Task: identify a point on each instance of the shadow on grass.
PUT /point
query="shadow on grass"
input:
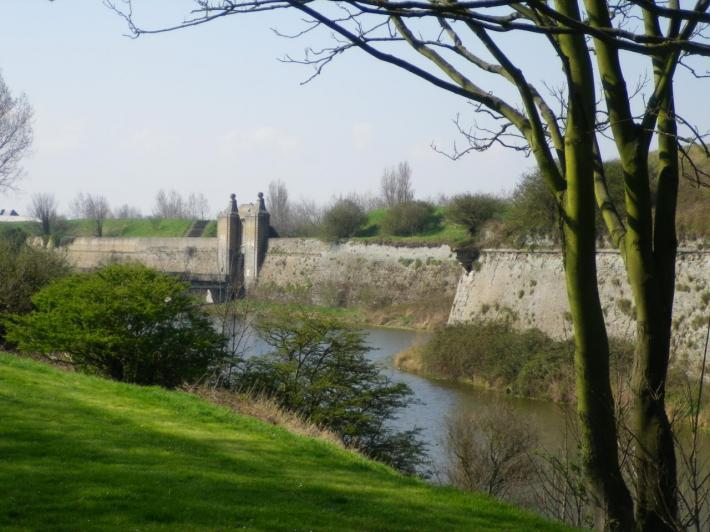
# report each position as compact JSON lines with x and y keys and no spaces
{"x":82,"y":453}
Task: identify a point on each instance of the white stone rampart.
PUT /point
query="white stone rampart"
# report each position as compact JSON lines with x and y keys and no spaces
{"x":353,"y":272}
{"x":529,"y":288}
{"x":195,"y":258}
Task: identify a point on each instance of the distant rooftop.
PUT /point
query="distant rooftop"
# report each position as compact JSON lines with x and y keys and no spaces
{"x":11,"y":215}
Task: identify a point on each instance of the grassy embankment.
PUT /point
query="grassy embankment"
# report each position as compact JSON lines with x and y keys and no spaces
{"x":441,"y":232}
{"x":80,"y":452}
{"x":143,"y":227}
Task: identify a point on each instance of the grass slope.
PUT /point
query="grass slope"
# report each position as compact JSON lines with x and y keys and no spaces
{"x":79,"y":452}
{"x":143,"y":227}
{"x":443,"y":232}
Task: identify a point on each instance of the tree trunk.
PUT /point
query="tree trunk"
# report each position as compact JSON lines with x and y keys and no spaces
{"x":595,"y":404}
{"x":652,"y":277}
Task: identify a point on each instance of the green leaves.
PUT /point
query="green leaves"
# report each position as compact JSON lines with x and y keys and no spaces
{"x":319,"y":370}
{"x":127,"y":322}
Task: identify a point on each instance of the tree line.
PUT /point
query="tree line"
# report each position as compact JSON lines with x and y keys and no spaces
{"x":96,"y":207}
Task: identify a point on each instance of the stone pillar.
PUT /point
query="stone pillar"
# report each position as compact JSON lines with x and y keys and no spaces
{"x":229,"y":244}
{"x":255,"y":238}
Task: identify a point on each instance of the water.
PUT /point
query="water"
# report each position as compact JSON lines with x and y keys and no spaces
{"x":438,"y":399}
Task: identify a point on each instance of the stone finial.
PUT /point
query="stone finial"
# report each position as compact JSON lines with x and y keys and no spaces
{"x":262,"y":205}
{"x":233,"y":203}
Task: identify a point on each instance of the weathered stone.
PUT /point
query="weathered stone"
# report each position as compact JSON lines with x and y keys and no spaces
{"x":529,"y":289}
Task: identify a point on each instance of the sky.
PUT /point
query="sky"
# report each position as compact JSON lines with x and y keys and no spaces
{"x":212,"y":110}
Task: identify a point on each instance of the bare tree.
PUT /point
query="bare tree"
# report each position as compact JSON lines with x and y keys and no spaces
{"x":491,"y":450}
{"x":458,"y":46}
{"x":126,"y":211}
{"x":15,"y":135}
{"x":306,"y":218}
{"x":366,"y":200}
{"x":396,"y":185}
{"x":280,"y":208}
{"x":197,"y":206}
{"x":169,"y":205}
{"x":44,"y":208}
{"x":93,"y":207}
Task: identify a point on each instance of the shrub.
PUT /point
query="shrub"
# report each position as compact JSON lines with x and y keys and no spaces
{"x":527,"y":362}
{"x":532,"y":212}
{"x":23,"y":271}
{"x":343,"y":220}
{"x":124,"y":321}
{"x":318,"y":370}
{"x":490,"y":450}
{"x":409,"y":218}
{"x":473,"y":210}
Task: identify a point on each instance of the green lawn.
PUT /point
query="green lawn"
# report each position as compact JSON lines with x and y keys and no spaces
{"x":443,"y":232}
{"x":79,"y":453}
{"x":143,"y":227}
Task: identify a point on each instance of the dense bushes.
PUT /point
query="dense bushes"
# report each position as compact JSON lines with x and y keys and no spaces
{"x":343,"y":220}
{"x":473,"y":210}
{"x":318,"y":369}
{"x":126,"y":322}
{"x":409,"y":218}
{"x":527,"y":363}
{"x":532,"y":213}
{"x":23,"y":271}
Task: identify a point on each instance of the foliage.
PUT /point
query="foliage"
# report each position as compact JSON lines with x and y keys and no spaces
{"x":440,"y":232}
{"x":106,"y":455}
{"x":343,"y":220}
{"x":473,"y":210}
{"x":124,"y":321}
{"x":318,"y":369}
{"x":24,"y":270}
{"x":527,"y":363}
{"x":532,"y":213}
{"x":409,"y":218}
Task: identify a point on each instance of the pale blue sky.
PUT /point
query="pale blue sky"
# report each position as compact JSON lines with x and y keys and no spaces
{"x":211,"y":110}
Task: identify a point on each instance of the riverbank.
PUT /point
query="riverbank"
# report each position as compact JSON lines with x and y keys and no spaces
{"x":130,"y":457}
{"x":528,"y":364}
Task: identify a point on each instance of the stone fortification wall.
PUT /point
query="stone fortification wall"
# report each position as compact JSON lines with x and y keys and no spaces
{"x":312,"y":271}
{"x":529,"y":288}
{"x":195,"y":258}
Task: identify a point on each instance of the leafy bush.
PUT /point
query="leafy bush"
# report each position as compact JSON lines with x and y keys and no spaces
{"x":528,"y":363}
{"x":532,"y":212}
{"x":318,"y":369}
{"x":23,"y":271}
{"x":343,"y":220}
{"x":124,"y":321}
{"x":409,"y":218}
{"x":473,"y":210}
